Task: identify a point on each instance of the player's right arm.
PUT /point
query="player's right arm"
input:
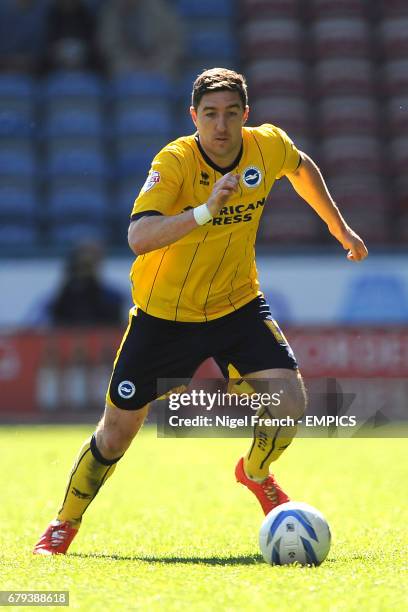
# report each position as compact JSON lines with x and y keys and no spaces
{"x":151,"y":232}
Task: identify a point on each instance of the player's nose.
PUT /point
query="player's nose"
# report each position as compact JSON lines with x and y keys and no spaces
{"x":221,"y":125}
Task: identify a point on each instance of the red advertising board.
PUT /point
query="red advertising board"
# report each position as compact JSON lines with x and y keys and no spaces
{"x":67,"y":369}
{"x":44,"y":372}
{"x":351,"y":352}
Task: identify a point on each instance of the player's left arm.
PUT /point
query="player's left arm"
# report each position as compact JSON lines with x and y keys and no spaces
{"x":309,"y":183}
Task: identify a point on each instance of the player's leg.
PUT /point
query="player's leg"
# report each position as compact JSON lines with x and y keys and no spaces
{"x":95,"y":463}
{"x":99,"y":454}
{"x":133,"y":385}
{"x":97,"y":460}
{"x":261,"y":353}
{"x":269,"y":441}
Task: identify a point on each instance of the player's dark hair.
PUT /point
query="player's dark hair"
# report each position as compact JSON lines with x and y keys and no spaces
{"x":219,"y":79}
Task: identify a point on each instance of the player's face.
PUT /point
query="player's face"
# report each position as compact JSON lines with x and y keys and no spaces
{"x":219,"y":119}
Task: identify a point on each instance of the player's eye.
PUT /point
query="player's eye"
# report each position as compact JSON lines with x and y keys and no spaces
{"x":210,"y":114}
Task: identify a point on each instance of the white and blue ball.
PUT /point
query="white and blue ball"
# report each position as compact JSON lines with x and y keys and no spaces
{"x":294,"y":533}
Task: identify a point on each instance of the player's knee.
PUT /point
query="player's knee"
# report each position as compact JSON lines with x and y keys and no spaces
{"x":293,"y":399}
{"x":116,"y":430}
{"x":112,"y":443}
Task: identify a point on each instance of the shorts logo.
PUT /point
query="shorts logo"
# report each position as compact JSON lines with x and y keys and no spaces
{"x":252,"y":176}
{"x":151,"y":181}
{"x":126,"y":389}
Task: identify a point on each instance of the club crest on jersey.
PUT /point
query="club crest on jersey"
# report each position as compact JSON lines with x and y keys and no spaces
{"x":126,"y":389}
{"x":151,"y":181}
{"x":252,"y":176}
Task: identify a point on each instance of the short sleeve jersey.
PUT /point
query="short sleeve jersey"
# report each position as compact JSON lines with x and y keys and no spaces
{"x":211,"y":271}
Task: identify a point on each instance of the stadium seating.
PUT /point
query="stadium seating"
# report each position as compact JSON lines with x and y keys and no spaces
{"x":399,"y":155}
{"x":184,"y":125}
{"x":305,"y":143}
{"x":332,"y":73}
{"x":374,"y":226}
{"x":83,"y":202}
{"x":141,"y":123}
{"x":17,"y":106}
{"x":18,"y":235}
{"x":134,"y":160}
{"x":70,"y":85}
{"x":401,"y":196}
{"x":393,"y":34}
{"x":139,"y":86}
{"x":272,"y":38}
{"x":335,"y":8}
{"x":393,"y":8}
{"x":288,"y":218}
{"x":18,"y":201}
{"x":148,"y":119}
{"x":397,"y":114}
{"x":401,"y":192}
{"x":214,"y":42}
{"x":126,"y":194}
{"x":352,"y":153}
{"x":348,"y":115}
{"x":66,"y":234}
{"x":217,"y":9}
{"x":289,"y":113}
{"x":276,"y":77}
{"x":17,"y":87}
{"x":359,"y":190}
{"x":18,"y":160}
{"x":278,"y":8}
{"x":401,"y":232}
{"x":182,"y":90}
{"x":71,"y":121}
{"x":76,"y":161}
{"x":341,"y":37}
{"x":343,"y":76}
{"x":395,"y":77}
{"x":123,"y":200}
{"x":365,"y":202}
{"x":16,"y":119}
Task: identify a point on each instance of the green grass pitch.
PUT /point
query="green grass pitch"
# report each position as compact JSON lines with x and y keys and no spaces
{"x":171,"y":530}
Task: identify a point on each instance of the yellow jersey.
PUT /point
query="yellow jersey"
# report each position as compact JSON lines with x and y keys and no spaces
{"x":211,"y":271}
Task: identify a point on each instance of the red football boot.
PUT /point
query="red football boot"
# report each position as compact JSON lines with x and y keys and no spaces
{"x":56,"y":539}
{"x":268,"y":491}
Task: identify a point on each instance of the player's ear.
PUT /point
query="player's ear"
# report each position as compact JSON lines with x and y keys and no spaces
{"x":246,"y":114}
{"x":193,"y":114}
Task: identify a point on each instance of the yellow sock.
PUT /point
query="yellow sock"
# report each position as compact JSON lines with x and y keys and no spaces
{"x":268,"y":444}
{"x":89,"y":473}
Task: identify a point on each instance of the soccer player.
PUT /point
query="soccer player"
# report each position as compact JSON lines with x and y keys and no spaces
{"x":196,"y":291}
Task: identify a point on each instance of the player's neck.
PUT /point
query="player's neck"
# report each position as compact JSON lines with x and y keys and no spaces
{"x":221,"y":164}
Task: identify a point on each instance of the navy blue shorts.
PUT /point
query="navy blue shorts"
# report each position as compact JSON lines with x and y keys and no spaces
{"x":156,"y":349}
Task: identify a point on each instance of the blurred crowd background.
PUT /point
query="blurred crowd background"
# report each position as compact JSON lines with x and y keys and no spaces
{"x":90,"y":90}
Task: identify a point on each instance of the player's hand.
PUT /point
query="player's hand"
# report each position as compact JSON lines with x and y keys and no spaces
{"x":352,"y":243}
{"x":223,"y":189}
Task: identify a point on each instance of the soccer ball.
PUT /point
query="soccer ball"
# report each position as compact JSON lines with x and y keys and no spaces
{"x":294,"y":533}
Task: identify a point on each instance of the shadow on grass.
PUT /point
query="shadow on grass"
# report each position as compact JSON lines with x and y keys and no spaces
{"x":241,"y":560}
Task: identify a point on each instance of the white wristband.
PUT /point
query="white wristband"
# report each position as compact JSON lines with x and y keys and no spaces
{"x":201,"y":214}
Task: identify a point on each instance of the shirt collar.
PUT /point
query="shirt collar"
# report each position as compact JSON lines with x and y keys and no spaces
{"x":209,"y":161}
